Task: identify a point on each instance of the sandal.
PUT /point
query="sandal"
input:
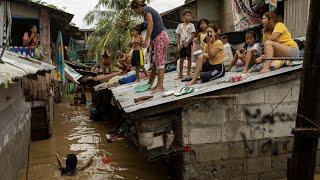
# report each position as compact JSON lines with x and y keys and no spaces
{"x":142,"y":88}
{"x":184,"y":91}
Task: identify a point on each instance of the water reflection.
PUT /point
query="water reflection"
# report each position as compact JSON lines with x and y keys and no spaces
{"x":75,"y":133}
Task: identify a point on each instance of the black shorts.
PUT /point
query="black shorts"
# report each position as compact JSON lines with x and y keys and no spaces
{"x":185,"y":52}
{"x":136,"y":59}
{"x":211,"y":72}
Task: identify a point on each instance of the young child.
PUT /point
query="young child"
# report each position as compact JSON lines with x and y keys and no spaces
{"x":106,"y":61}
{"x":137,"y":59}
{"x":202,"y":34}
{"x":198,"y":41}
{"x":210,"y":63}
{"x":185,"y":34}
{"x":246,"y":56}
{"x":71,"y":165}
{"x":123,"y":62}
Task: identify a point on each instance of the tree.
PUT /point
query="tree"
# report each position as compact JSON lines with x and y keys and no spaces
{"x":113,"y":20}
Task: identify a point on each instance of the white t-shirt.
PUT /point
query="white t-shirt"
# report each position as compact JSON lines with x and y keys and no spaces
{"x":185,"y":32}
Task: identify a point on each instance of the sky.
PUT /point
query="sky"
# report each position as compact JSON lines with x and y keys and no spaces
{"x":79,"y":8}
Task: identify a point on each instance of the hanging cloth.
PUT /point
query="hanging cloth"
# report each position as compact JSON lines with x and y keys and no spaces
{"x":272,"y":4}
{"x":60,"y":57}
{"x":243,"y":15}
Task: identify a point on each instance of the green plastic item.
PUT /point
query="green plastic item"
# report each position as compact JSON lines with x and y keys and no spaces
{"x":184,"y":91}
{"x":142,"y":88}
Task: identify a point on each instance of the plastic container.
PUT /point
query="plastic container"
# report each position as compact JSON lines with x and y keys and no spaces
{"x":146,"y":139}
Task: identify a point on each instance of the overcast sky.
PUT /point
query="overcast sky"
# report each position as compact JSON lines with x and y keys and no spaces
{"x":80,"y":7}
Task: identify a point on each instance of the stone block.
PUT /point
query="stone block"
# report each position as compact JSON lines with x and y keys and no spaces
{"x":258,"y":165}
{"x":190,"y":157}
{"x":205,"y":135}
{"x":189,"y":172}
{"x":213,"y":152}
{"x":233,"y":168}
{"x":279,"y":92}
{"x":275,"y":146}
{"x":285,"y":112}
{"x":255,"y":96}
{"x":279,"y":163}
{"x":274,"y":174}
{"x":242,"y":149}
{"x":204,"y":114}
{"x":281,"y":129}
{"x":240,"y":132}
{"x":234,"y":114}
{"x":296,"y":90}
{"x":256,"y":113}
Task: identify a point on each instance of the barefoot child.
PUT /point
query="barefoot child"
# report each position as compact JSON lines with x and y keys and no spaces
{"x":210,"y":63}
{"x":185,"y":34}
{"x":137,"y":59}
{"x":202,"y":34}
{"x":247,"y":55}
{"x":123,"y":62}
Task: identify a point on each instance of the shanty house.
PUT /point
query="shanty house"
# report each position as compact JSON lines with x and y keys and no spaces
{"x":18,"y":16}
{"x":16,"y":111}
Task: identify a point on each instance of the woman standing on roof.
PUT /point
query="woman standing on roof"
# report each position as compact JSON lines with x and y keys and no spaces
{"x":157,"y":36}
{"x":277,"y":41}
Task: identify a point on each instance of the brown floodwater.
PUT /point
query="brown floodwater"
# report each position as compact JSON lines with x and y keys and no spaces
{"x":75,"y":133}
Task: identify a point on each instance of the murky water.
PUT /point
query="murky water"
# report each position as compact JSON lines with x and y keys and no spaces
{"x":75,"y":133}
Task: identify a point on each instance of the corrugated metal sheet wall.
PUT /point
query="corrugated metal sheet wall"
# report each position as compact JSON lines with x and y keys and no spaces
{"x":296,"y":14}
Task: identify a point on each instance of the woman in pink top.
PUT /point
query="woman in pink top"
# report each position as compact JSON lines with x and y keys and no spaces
{"x":31,"y":39}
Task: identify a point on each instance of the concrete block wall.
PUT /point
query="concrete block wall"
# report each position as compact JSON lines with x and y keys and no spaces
{"x":244,"y":137}
{"x":15,"y":127}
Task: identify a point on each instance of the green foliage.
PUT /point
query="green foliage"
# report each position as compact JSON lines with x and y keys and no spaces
{"x":113,"y":20}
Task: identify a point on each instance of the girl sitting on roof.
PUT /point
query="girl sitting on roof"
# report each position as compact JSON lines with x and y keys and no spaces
{"x":210,"y":64}
{"x":277,"y":42}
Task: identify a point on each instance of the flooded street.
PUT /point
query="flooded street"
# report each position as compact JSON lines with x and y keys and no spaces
{"x":75,"y":133}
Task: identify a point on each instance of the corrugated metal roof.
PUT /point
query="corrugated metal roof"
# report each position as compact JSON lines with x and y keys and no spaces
{"x":125,"y":94}
{"x":15,"y":66}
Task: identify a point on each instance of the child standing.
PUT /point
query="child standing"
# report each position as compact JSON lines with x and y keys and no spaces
{"x":106,"y":61}
{"x":202,"y":34}
{"x":137,"y":59}
{"x":185,"y":34}
{"x":247,"y":55}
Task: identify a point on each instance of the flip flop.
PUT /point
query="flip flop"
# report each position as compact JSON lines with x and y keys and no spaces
{"x":184,"y":91}
{"x":142,"y":88}
{"x":186,"y":79}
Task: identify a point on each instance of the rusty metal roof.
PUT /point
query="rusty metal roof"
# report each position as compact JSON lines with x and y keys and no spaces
{"x":15,"y":66}
{"x":125,"y":94}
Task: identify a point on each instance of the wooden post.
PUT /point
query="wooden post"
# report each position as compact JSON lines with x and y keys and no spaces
{"x":45,"y":35}
{"x":302,"y":163}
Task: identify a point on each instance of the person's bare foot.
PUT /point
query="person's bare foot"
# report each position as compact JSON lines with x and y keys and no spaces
{"x":265,"y":70}
{"x":180,"y":77}
{"x":158,"y":89}
{"x":245,"y":71}
{"x":152,"y":89}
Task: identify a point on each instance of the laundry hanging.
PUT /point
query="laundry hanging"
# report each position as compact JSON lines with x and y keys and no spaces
{"x":272,"y":4}
{"x":244,"y":16}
